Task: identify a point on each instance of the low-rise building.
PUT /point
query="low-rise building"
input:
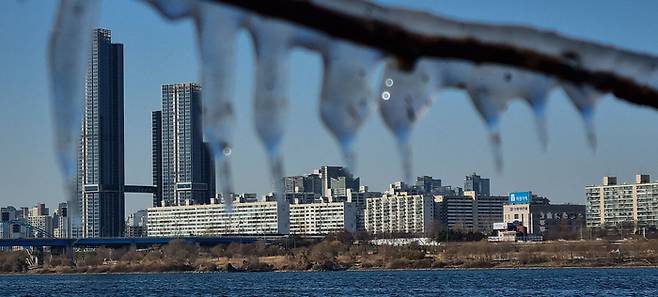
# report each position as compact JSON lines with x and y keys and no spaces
{"x":542,"y":218}
{"x":614,"y":205}
{"x":261,"y":217}
{"x":399,"y":212}
{"x":322,"y":218}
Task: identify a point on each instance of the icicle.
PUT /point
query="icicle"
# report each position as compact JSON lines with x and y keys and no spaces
{"x":174,"y":9}
{"x":346,"y":98}
{"x":585,"y":99}
{"x":510,"y":83}
{"x":217,"y":28}
{"x":489,"y":91}
{"x":490,"y":108}
{"x":506,"y":82}
{"x":405,"y":96}
{"x":491,"y":87}
{"x":534,"y":89}
{"x":68,"y":50}
{"x":271,"y":42}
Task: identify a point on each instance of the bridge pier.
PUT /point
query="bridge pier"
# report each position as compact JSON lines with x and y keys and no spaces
{"x":69,"y":253}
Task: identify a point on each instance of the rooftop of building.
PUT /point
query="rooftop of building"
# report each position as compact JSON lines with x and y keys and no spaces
{"x":611,"y":181}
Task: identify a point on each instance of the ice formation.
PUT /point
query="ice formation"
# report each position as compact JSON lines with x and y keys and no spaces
{"x":585,"y":99}
{"x":67,"y":57}
{"x":492,"y":87}
{"x":405,"y":97}
{"x":271,"y":42}
{"x":347,"y":93}
{"x":406,"y":89}
{"x":217,"y":29}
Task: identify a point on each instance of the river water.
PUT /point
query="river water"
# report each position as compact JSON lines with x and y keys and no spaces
{"x":472,"y":282}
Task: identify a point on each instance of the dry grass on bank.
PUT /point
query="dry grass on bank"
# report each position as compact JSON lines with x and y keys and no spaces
{"x":339,"y":253}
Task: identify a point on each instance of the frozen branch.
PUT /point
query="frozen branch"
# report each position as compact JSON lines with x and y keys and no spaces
{"x":409,"y":35}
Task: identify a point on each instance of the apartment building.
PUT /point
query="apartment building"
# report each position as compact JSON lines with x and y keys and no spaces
{"x":260,"y":217}
{"x":322,"y":218}
{"x":399,"y":212}
{"x":612,"y":204}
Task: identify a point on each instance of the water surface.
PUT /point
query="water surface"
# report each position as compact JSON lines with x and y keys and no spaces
{"x":476,"y":282}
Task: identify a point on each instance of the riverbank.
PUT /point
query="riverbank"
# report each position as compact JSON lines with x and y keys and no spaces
{"x":121,"y":269}
{"x":73,"y":272}
{"x":336,"y":253}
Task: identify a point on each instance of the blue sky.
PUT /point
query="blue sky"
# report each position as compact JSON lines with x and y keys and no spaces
{"x":448,"y":143}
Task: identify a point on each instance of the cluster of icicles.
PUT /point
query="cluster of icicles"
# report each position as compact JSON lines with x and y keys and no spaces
{"x":353,"y":84}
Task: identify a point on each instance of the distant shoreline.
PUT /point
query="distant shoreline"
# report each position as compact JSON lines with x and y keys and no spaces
{"x":342,"y":254}
{"x":46,"y":273}
{"x":320,"y":271}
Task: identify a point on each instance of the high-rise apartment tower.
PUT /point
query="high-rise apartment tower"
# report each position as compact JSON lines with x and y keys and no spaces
{"x":186,"y":174}
{"x":101,"y":156}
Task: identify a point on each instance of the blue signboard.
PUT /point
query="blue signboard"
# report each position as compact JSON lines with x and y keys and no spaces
{"x":519,"y":197}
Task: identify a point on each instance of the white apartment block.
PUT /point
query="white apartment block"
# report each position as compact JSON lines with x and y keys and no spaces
{"x":322,"y":218}
{"x":261,"y":217}
{"x":399,"y":213}
{"x":612,"y":204}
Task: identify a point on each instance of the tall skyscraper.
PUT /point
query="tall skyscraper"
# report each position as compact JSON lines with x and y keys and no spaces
{"x":101,"y":159}
{"x":187,"y":172}
{"x":478,"y":184}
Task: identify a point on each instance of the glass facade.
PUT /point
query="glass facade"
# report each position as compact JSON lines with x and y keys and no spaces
{"x":187,"y":166}
{"x":156,"y":153}
{"x":101,"y":156}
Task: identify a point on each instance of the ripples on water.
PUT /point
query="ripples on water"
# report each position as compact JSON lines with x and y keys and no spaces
{"x":520,"y":282}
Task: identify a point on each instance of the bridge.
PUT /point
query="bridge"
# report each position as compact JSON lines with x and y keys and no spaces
{"x":139,"y":189}
{"x":48,"y":240}
{"x":133,"y":241}
{"x":67,"y":246}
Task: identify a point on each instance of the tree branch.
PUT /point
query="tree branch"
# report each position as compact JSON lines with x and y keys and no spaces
{"x":409,"y":35}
